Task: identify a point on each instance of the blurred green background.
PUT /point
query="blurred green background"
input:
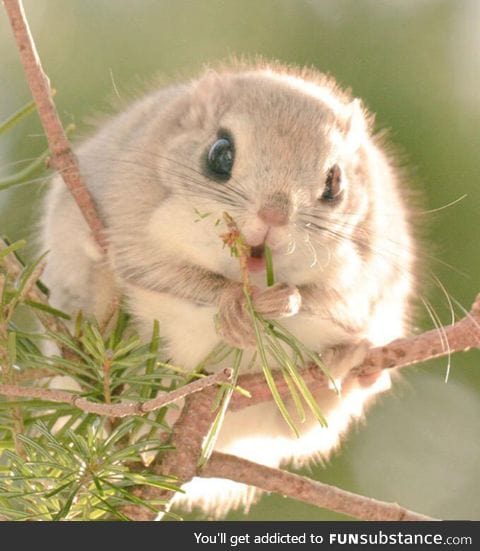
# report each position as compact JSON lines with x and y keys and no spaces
{"x":416,"y":63}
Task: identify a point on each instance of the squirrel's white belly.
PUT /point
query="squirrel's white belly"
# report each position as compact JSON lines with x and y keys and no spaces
{"x":190,"y":334}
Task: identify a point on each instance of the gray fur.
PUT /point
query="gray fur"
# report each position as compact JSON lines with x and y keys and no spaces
{"x":345,"y":270}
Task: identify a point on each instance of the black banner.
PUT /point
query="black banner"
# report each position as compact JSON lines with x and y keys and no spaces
{"x":242,"y":536}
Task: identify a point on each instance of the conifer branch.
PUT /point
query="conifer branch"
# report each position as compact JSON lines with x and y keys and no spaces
{"x":197,"y":415}
{"x":193,"y":425}
{"x":32,"y":292}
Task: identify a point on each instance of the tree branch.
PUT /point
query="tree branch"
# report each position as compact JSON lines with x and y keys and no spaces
{"x":297,"y":487}
{"x":63,"y":158}
{"x":196,"y":418}
{"x":113,"y":410}
{"x":458,"y":337}
{"x":197,"y":415}
{"x":187,"y":437}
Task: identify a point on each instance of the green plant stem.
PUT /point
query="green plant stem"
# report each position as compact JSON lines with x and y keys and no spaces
{"x":269,"y":266}
{"x":21,"y":176}
{"x":17,"y":117}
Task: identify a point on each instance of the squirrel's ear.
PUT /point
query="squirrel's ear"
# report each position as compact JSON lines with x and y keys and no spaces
{"x":356,"y":124}
{"x":206,"y":101}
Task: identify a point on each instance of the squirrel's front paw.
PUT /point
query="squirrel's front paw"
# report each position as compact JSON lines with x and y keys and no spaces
{"x":279,"y":301}
{"x":234,"y":322}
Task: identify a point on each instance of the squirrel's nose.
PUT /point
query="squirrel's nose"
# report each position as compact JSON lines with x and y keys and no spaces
{"x":276,"y":210}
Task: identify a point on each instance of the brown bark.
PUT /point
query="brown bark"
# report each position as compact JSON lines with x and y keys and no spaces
{"x":113,"y":410}
{"x":63,"y":159}
{"x":297,"y":487}
{"x":197,"y":416}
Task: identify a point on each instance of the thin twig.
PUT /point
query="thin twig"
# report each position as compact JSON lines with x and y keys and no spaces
{"x":239,"y":248}
{"x":32,"y":292}
{"x":63,"y":158}
{"x":304,"y":489}
{"x":461,"y":336}
{"x":113,"y":410}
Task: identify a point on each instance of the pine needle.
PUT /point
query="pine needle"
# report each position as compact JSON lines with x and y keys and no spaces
{"x":275,"y":345}
{"x":225,"y":393}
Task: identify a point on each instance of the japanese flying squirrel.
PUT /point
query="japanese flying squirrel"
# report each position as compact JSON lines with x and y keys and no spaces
{"x":293,"y":160}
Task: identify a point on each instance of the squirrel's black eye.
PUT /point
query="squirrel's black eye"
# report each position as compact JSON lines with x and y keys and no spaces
{"x":333,"y":184}
{"x":220,"y":158}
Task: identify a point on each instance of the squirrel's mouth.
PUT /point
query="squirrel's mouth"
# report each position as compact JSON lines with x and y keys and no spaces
{"x":256,"y":260}
{"x":258,"y":251}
